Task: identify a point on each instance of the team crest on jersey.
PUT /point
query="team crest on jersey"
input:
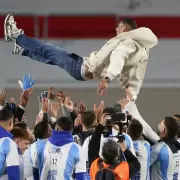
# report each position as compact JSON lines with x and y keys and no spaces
{"x":55,"y":150}
{"x":58,"y":150}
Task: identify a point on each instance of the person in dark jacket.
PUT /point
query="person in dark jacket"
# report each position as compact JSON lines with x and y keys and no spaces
{"x":111,"y":153}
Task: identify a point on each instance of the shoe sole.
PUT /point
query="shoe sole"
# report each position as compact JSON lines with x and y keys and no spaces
{"x":6,"y":37}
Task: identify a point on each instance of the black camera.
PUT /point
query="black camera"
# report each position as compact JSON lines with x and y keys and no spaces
{"x":117,"y":115}
{"x":119,"y":118}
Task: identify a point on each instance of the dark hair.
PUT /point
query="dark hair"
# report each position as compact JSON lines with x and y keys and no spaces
{"x":135,"y":129}
{"x":21,"y":125}
{"x":131,"y":23}
{"x":177,"y":116}
{"x":88,"y":118}
{"x":6,"y":113}
{"x":52,"y":124}
{"x":64,"y":123}
{"x":110,"y":151}
{"x":178,"y":134}
{"x":20,"y":133}
{"x":171,"y":126}
{"x":41,"y":130}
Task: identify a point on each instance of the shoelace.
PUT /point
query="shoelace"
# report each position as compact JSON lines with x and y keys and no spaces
{"x":12,"y":25}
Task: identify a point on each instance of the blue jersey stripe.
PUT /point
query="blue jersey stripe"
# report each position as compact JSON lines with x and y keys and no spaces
{"x":40,"y":149}
{"x":4,"y":151}
{"x":71,"y":160}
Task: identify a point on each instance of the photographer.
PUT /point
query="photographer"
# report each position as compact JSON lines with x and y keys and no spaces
{"x":111,"y":157}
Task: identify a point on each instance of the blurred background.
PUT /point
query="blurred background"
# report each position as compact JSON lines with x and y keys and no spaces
{"x":81,"y":26}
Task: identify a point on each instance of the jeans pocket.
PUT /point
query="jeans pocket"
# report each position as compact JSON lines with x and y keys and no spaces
{"x":75,"y":56}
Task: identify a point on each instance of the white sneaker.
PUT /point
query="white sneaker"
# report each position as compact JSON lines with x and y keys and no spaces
{"x":10,"y":28}
{"x":17,"y":49}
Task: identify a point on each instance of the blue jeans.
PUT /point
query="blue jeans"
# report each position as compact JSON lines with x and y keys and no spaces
{"x":50,"y":54}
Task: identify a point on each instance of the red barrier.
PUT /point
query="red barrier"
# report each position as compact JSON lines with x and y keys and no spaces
{"x":81,"y":26}
{"x":78,"y":27}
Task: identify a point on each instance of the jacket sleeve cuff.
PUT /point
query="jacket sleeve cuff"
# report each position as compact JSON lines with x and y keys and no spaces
{"x":1,"y":107}
{"x":21,"y":107}
{"x":110,"y":76}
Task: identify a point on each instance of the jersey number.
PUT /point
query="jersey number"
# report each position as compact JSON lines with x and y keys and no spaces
{"x":54,"y":161}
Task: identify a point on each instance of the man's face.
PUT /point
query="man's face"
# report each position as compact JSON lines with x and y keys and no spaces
{"x":23,"y":145}
{"x":162,"y":129}
{"x":10,"y":124}
{"x":121,"y":28}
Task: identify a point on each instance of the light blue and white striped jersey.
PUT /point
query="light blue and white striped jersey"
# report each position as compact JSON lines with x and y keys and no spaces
{"x":28,"y":170}
{"x":143,"y":150}
{"x":176,"y":173}
{"x":8,"y":156}
{"x":21,"y":166}
{"x":162,"y":162}
{"x":58,"y":162}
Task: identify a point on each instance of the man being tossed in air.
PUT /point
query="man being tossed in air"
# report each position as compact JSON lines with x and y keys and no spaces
{"x":123,"y":57}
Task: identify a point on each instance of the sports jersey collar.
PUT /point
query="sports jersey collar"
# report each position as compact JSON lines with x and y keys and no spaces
{"x":60,"y":138}
{"x":19,"y":152}
{"x":4,"y":133}
{"x":172,"y":143}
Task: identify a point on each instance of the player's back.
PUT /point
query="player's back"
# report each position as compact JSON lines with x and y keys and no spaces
{"x":8,"y":156}
{"x":60,"y":162}
{"x":142,"y":149}
{"x":162,"y":162}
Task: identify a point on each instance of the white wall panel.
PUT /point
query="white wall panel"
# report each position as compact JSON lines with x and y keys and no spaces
{"x":145,"y":7}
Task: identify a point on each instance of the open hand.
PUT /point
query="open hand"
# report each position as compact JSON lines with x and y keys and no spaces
{"x":123,"y":103}
{"x":61,"y":97}
{"x":82,"y":107}
{"x":51,"y":95}
{"x":69,"y":104}
{"x":27,"y":82}
{"x":99,"y":110}
{"x":2,"y":97}
{"x":102,"y":87}
{"x":25,"y":97}
{"x":55,"y":109}
{"x":45,"y":105}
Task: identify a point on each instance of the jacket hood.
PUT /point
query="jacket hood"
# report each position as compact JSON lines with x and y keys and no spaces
{"x":61,"y":138}
{"x":144,"y":36}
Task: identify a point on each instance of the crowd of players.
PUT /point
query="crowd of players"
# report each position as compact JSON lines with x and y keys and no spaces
{"x":69,"y":141}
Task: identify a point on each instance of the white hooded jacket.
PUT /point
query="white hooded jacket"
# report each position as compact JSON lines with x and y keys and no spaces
{"x":124,"y":58}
